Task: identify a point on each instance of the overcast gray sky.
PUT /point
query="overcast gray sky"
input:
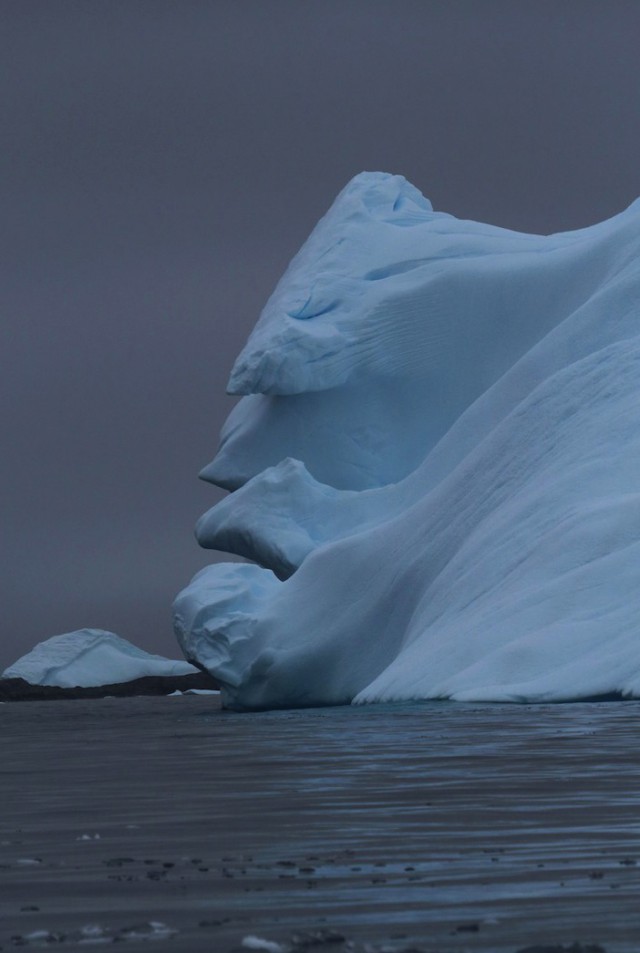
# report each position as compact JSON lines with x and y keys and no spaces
{"x":161,"y":162}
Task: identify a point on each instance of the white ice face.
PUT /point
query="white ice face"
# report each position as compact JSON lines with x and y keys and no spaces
{"x":436,"y":462}
{"x":370,"y":343}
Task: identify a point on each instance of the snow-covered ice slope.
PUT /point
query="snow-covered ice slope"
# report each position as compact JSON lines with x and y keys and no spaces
{"x":91,"y":657}
{"x":437,"y":463}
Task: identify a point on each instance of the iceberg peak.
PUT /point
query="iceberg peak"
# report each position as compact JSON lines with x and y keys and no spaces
{"x":325,"y":279}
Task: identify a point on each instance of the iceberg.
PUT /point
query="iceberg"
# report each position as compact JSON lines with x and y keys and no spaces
{"x":91,"y":657}
{"x":434,"y":467}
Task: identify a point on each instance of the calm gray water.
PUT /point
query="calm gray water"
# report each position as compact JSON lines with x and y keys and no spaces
{"x":441,"y":826}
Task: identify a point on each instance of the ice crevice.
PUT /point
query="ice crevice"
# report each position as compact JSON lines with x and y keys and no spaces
{"x":436,"y":475}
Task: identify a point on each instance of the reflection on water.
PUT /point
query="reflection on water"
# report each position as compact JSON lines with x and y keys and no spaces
{"x":444,"y":826}
{"x":524,"y":818}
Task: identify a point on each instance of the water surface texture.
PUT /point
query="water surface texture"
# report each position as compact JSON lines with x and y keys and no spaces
{"x":445,"y":827}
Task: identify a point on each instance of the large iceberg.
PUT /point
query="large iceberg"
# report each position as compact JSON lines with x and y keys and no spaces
{"x":91,"y":657}
{"x":435,"y":466}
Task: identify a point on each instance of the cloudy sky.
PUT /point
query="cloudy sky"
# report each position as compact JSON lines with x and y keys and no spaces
{"x":161,"y":162}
